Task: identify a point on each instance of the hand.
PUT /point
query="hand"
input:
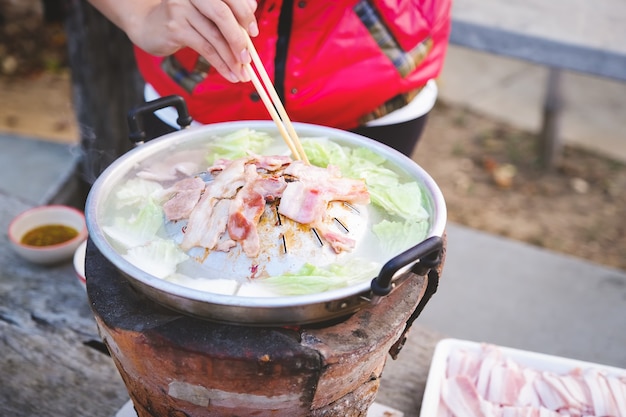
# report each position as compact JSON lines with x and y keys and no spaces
{"x":210,"y":27}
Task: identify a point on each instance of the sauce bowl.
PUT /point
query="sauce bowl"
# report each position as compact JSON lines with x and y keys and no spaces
{"x":32,"y":220}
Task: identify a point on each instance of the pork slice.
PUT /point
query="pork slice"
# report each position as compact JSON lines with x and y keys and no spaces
{"x":462,"y":362}
{"x":461,"y":398}
{"x":549,"y":393}
{"x":528,"y":394}
{"x":511,"y":411}
{"x":575,"y":393}
{"x":506,"y":380}
{"x":186,"y":194}
{"x":303,"y":203}
{"x":348,"y":189}
{"x":225,"y":244}
{"x":601,"y":396}
{"x":490,"y":357}
{"x":207,"y":222}
{"x":217,"y":223}
{"x":272,"y":162}
{"x":617,"y":387}
{"x":303,"y":171}
{"x":329,"y":179}
{"x":244,"y":214}
{"x":339,"y":242}
{"x":271,"y":188}
{"x":229,"y":180}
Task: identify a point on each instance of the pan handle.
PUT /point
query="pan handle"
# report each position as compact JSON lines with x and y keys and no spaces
{"x":137,"y":132}
{"x":427,"y":252}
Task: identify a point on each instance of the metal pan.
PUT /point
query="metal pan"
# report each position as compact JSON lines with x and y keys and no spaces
{"x":286,"y":310}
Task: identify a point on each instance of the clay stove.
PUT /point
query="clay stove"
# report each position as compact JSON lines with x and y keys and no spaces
{"x":176,"y":365}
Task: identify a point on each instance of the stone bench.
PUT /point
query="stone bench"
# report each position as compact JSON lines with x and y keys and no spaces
{"x":584,"y":37}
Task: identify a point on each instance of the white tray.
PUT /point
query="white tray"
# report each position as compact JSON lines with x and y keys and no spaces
{"x":533,"y":360}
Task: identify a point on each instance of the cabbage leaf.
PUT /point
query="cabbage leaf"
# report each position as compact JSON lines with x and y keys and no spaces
{"x":395,"y":198}
{"x":310,"y":279}
{"x":239,"y":144}
{"x":137,"y":228}
{"x":159,"y":257}
{"x":136,"y":191}
{"x":396,"y":237}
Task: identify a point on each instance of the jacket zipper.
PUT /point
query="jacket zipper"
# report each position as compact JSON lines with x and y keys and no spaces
{"x":282,"y":45}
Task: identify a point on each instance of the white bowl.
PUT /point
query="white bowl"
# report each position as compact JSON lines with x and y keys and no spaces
{"x":79,"y":263}
{"x":42,"y":216}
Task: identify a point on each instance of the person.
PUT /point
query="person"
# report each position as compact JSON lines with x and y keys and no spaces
{"x":367,"y":66}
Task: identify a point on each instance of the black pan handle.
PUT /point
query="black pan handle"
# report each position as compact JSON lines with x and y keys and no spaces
{"x":427,"y":252}
{"x":137,"y":132}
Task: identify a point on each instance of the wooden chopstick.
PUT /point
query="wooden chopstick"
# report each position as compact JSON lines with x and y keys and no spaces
{"x":273,"y":104}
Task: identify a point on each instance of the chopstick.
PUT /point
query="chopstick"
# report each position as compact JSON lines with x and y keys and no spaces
{"x":273,"y":104}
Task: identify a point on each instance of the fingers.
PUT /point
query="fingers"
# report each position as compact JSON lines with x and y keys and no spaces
{"x":225,"y":45}
{"x":208,"y":41}
{"x":244,"y":13}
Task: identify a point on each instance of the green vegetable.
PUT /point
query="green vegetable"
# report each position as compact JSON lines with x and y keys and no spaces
{"x":311,"y":279}
{"x":136,"y":191}
{"x":137,"y":228}
{"x":396,"y":237}
{"x":239,"y":144}
{"x":403,"y":200}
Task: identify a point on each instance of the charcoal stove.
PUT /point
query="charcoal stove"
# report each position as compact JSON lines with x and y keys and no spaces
{"x":177,"y":365}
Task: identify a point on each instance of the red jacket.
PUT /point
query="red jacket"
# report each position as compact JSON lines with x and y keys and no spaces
{"x":333,"y":63}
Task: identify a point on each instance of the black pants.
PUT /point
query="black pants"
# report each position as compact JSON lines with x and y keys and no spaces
{"x":401,"y":136}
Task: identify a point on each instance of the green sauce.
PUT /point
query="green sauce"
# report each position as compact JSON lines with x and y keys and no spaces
{"x":52,"y":234}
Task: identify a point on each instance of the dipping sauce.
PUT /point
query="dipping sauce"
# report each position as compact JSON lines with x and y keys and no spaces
{"x":48,"y":235}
